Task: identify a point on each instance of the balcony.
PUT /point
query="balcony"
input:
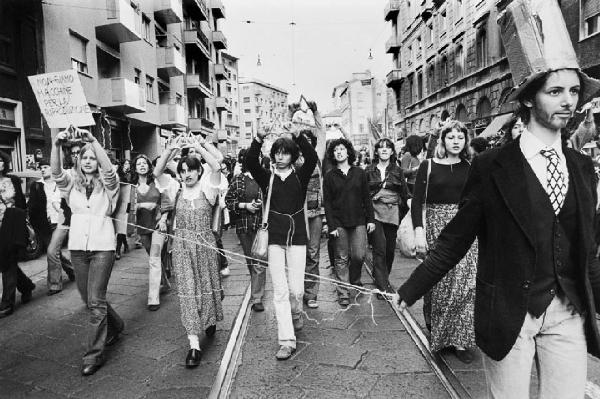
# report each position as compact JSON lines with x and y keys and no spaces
{"x":172,"y":116}
{"x":218,"y":8}
{"x":194,"y":38}
{"x":222,"y":104}
{"x":220,"y":72}
{"x":120,"y":94}
{"x":196,"y":84}
{"x":391,"y":10}
{"x":222,"y":135}
{"x":168,"y":11}
{"x":202,"y":124}
{"x":392,"y":45}
{"x":196,"y":9}
{"x":122,"y":24}
{"x":393,"y":78}
{"x":169,"y":62}
{"x":219,"y":40}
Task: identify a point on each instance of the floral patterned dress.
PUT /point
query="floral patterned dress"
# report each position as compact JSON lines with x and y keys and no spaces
{"x":195,"y":265}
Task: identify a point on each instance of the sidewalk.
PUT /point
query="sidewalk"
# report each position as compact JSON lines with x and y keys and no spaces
{"x":41,"y":344}
{"x":348,"y":357}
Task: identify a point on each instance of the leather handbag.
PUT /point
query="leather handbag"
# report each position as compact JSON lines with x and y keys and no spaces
{"x":260,"y":245}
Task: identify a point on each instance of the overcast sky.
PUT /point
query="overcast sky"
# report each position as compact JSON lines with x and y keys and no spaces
{"x":331,"y":39}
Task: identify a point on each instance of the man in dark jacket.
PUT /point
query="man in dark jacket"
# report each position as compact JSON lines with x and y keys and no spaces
{"x":531,"y":205}
{"x":48,"y":219}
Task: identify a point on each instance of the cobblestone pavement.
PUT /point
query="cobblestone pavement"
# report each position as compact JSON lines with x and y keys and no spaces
{"x":347,"y":357}
{"x":41,"y":344}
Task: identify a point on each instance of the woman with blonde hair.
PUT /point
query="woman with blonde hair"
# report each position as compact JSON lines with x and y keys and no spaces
{"x":92,"y":194}
{"x":449,"y":307}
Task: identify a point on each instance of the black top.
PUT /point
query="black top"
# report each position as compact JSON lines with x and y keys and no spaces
{"x":287,"y":198}
{"x":347,"y":199}
{"x":445,"y":186}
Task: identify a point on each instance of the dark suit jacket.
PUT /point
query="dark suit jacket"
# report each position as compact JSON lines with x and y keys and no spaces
{"x":36,"y":208}
{"x":495,"y":209}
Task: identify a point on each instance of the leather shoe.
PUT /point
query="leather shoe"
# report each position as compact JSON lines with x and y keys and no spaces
{"x":464,"y":355}
{"x":6,"y":311}
{"x":211,"y":330}
{"x":153,"y":308}
{"x":193,"y":358}
{"x":52,"y":292}
{"x":258,"y":307}
{"x":89,"y":369}
{"x":26,"y":296}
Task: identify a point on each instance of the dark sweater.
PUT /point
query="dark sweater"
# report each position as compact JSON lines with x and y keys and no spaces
{"x":347,"y":199}
{"x":445,"y":186}
{"x":287,"y":196}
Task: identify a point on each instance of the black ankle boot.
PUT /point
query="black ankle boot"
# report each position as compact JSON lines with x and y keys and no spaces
{"x":193,"y":358}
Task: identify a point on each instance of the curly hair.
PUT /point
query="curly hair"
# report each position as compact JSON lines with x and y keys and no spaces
{"x":440,"y":150}
{"x":345,"y":143}
{"x":135,"y":177}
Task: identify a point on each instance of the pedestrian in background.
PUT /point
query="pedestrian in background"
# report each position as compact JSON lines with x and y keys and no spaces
{"x":244,"y":201}
{"x":46,"y":216}
{"x":411,"y":160}
{"x":448,"y":307}
{"x":349,"y":212}
{"x":123,"y":207}
{"x":152,"y":207}
{"x":477,"y":146}
{"x":92,"y":194}
{"x":195,"y":262}
{"x":389,"y":194}
{"x":13,"y":237}
{"x":288,"y":234}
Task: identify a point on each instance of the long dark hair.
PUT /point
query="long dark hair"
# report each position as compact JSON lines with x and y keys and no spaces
{"x":135,"y":177}
{"x":6,"y":159}
{"x":286,"y":146}
{"x":389,"y":144}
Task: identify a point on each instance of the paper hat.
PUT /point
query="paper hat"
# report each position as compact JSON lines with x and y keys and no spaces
{"x":536,"y":40}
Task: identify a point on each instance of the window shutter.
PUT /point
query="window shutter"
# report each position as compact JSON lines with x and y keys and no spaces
{"x":77,"y":46}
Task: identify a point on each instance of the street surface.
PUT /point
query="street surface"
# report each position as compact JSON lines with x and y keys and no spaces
{"x":341,"y":354}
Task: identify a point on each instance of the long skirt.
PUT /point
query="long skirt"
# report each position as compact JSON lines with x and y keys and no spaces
{"x":452,"y":300}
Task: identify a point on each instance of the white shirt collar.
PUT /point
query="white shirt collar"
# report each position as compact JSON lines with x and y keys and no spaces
{"x":531,"y":145}
{"x":283,"y":175}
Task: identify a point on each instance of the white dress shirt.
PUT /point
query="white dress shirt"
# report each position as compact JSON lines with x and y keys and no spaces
{"x":531,"y":147}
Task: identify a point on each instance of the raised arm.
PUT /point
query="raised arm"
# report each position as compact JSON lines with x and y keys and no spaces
{"x":321,"y":137}
{"x":253,"y":164}
{"x":310,"y":159}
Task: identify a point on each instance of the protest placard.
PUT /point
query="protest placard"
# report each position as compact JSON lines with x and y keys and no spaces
{"x":61,"y":99}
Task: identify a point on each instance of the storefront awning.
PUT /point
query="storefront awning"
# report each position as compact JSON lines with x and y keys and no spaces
{"x":494,"y":127}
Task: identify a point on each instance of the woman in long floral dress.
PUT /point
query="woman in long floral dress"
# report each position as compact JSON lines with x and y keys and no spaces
{"x":195,"y":262}
{"x":449,"y":307}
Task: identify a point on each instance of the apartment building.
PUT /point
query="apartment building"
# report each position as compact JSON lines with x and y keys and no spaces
{"x":449,"y":61}
{"x":230,"y":88}
{"x":262,"y":105}
{"x":361,"y":103}
{"x":21,"y":132}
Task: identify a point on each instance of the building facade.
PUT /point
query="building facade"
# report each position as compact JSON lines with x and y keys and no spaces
{"x":449,"y":61}
{"x":361,"y":103}
{"x":232,"y":91}
{"x":149,"y":69}
{"x":21,"y":132}
{"x":262,"y":106}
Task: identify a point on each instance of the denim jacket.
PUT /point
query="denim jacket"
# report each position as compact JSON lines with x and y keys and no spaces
{"x":394,"y":180}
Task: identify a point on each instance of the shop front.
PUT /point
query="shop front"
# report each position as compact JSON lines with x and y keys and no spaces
{"x":12,"y":141}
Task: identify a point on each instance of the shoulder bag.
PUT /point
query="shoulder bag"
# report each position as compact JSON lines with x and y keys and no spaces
{"x":260,"y":245}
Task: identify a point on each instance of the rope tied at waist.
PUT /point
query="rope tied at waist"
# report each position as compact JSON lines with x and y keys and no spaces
{"x":292,"y":228}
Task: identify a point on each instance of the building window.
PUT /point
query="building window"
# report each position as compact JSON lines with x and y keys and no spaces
{"x":137,"y":77}
{"x":444,"y":71}
{"x":246,"y":99}
{"x":419,"y":48}
{"x":146,"y":27}
{"x":78,"y":48}
{"x":482,"y":48}
{"x":411,"y":89}
{"x":592,"y":25}
{"x":248,"y":124}
{"x":149,"y":88}
{"x":458,"y":11}
{"x":459,"y":65}
{"x":245,"y":87}
{"x":431,"y":80}
{"x":409,"y":56}
{"x":6,"y":52}
{"x":442,"y":23}
{"x":247,"y":111}
{"x":429,"y":35}
{"x":420,"y":85}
